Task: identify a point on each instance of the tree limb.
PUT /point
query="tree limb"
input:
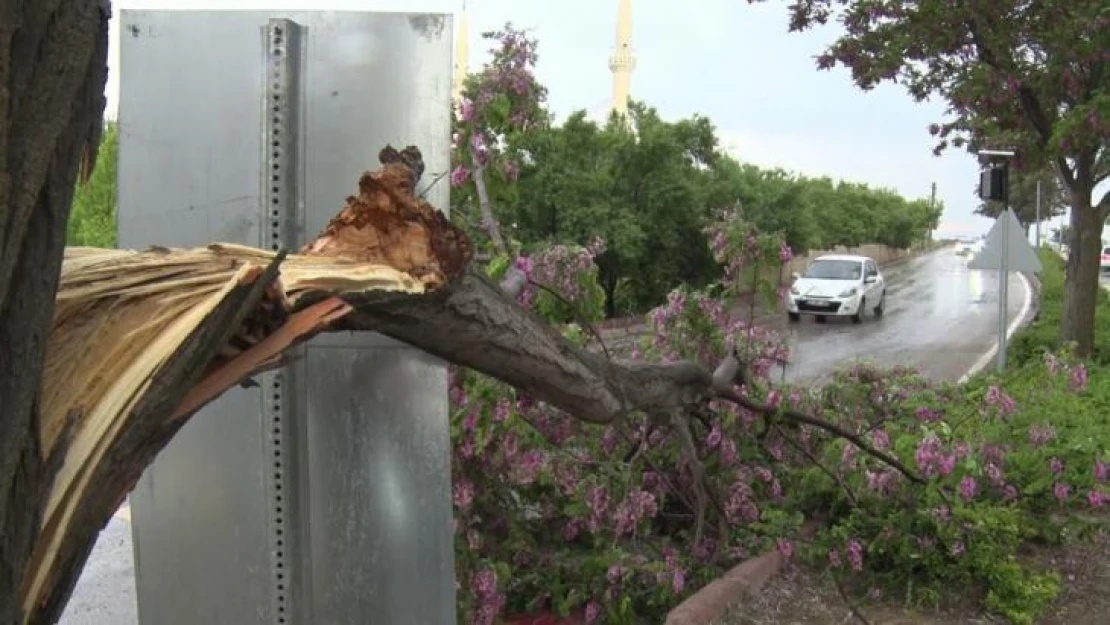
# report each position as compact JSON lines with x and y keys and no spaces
{"x":189,"y":324}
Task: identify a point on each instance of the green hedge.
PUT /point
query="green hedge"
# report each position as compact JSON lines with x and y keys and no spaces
{"x":1043,"y":334}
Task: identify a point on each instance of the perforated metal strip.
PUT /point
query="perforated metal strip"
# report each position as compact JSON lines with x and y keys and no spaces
{"x":280,"y":193}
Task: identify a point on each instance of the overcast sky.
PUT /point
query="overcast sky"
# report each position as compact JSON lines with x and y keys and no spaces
{"x":731,"y":61}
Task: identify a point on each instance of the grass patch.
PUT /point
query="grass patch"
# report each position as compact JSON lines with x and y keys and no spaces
{"x":1043,"y":334}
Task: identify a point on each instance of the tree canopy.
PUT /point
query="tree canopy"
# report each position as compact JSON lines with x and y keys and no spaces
{"x":649,"y":189}
{"x":1032,"y":75}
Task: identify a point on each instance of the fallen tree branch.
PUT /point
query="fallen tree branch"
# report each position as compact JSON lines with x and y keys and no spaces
{"x":142,"y":340}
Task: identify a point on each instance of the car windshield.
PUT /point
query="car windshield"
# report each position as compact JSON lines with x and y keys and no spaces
{"x":834,"y":270}
{"x":1106,"y":250}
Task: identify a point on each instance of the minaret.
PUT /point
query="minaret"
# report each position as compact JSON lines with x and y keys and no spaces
{"x":623,"y":61}
{"x":462,"y":52}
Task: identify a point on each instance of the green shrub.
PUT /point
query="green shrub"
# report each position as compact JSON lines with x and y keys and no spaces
{"x":93,"y":219}
{"x":1008,"y":460}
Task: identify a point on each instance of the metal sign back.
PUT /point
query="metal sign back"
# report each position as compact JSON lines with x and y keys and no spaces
{"x":322,"y":495}
{"x":1006,"y":235}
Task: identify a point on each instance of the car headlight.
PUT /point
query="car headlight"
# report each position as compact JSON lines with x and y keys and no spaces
{"x":848,"y":292}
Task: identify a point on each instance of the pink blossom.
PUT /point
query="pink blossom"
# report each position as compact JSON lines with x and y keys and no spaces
{"x":1041,"y":435}
{"x":713,"y":439}
{"x":1056,"y":465}
{"x":467,"y":111}
{"x":928,"y":416}
{"x":1052,"y":362}
{"x":855,"y":555}
{"x":881,"y":439}
{"x":785,"y":547}
{"x":616,"y":574}
{"x":995,"y":474}
{"x":969,"y":488}
{"x":785,"y":253}
{"x":463,"y":493}
{"x":1098,"y":498}
{"x":593,"y":611}
{"x":997,"y":398}
{"x":459,"y":176}
{"x":1079,"y":377}
{"x":1061,"y":491}
{"x":502,"y":411}
{"x":678,"y":580}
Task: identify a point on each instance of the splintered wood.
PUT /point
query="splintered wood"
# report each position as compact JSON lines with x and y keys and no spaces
{"x":122,"y":316}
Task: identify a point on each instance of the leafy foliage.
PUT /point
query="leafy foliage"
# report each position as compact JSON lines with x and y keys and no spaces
{"x":93,"y":219}
{"x":652,"y":189}
{"x":1030,"y":75}
{"x":610,"y":521}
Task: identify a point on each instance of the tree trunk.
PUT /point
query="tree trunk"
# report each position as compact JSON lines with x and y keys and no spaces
{"x":1085,"y":248}
{"x":53,"y":66}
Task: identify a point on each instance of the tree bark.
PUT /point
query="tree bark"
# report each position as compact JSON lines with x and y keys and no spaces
{"x":485,"y":208}
{"x":53,"y":67}
{"x":1082,"y":273}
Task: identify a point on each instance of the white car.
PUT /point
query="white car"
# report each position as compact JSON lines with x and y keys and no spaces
{"x":963,"y":248}
{"x":1104,"y":261}
{"x":838,"y":286}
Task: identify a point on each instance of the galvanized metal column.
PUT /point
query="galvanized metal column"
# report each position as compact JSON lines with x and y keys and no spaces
{"x":322,"y":495}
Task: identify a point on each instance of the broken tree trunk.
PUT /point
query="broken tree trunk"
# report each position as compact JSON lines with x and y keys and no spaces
{"x":142,"y":340}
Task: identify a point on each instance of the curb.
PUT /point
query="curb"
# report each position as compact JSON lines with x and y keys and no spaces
{"x":740,"y":582}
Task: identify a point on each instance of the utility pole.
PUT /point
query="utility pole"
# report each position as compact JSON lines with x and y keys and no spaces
{"x":994,"y":184}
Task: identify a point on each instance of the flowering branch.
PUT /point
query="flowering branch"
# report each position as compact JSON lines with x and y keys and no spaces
{"x":723,"y":386}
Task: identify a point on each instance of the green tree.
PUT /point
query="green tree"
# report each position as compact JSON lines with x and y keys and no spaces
{"x":1023,"y":198}
{"x":566,"y":195}
{"x":644,"y":187}
{"x":1031,"y":75}
{"x":93,"y":221}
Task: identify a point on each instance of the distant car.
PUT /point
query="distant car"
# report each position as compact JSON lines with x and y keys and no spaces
{"x":963,"y":248}
{"x":838,"y":286}
{"x":1104,"y":263}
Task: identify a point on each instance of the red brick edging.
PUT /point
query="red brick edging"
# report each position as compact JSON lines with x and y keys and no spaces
{"x":715,"y":598}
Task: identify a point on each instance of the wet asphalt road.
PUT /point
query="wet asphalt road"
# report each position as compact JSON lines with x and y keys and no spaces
{"x":940,"y":317}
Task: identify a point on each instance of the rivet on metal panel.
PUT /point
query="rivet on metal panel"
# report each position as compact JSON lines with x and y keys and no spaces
{"x":279,"y":141}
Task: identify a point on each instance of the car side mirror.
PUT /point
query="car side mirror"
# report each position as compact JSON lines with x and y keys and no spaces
{"x":796,"y":275}
{"x":871,"y":279}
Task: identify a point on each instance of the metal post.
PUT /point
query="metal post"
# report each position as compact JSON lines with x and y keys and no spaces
{"x":1037,"y":236}
{"x":322,"y":495}
{"x":1004,"y":272}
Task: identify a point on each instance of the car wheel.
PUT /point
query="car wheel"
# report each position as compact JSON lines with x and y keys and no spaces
{"x":878,"y":310}
{"x":858,"y":317}
{"x":795,"y":317}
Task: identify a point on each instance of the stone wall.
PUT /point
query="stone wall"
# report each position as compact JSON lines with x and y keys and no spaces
{"x":881,"y":253}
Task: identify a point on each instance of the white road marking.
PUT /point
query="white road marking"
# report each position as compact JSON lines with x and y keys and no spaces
{"x":986,"y":358}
